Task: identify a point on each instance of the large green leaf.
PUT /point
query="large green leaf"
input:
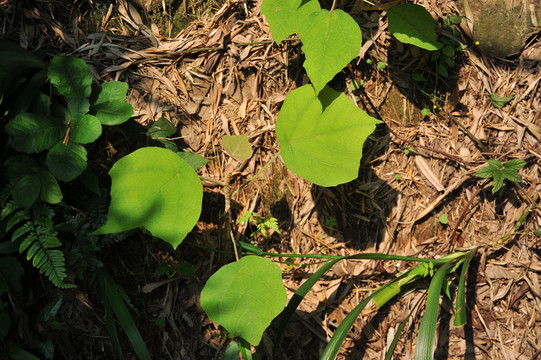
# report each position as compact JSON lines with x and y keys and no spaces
{"x":32,"y":133}
{"x":245,"y":296}
{"x":71,"y":76}
{"x":110,"y":107}
{"x":330,"y":41}
{"x":323,"y":146}
{"x":285,"y":17}
{"x":413,"y":24}
{"x":155,"y":189}
{"x":85,"y":129}
{"x":66,"y":162}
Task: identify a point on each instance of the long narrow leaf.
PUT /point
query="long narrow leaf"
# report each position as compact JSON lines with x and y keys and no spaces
{"x":460,"y":305}
{"x":395,"y":287}
{"x":118,"y":305}
{"x":391,"y":348}
{"x":427,"y":329}
{"x":111,"y":327}
{"x":296,"y":300}
{"x":332,"y":348}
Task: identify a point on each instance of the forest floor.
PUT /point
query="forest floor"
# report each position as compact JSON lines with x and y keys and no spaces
{"x":416,"y":194}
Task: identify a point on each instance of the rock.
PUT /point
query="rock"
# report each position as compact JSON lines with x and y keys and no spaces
{"x":502,"y":26}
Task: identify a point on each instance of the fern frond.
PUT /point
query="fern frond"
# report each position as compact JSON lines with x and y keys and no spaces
{"x":39,"y":240}
{"x":16,"y":218}
{"x":8,"y":209}
{"x":21,"y":231}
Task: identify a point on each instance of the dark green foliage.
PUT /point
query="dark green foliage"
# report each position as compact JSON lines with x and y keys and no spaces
{"x":32,"y":229}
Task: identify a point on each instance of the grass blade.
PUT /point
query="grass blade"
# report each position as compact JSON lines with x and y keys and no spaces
{"x":114,"y":297}
{"x":460,"y":305}
{"x":296,"y":300}
{"x":427,"y":329}
{"x":332,"y":348}
{"x":391,"y":348}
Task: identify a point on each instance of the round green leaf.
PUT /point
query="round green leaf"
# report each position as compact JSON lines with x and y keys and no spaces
{"x":196,"y":161}
{"x":322,"y":146}
{"x":71,"y":76}
{"x":330,"y":41}
{"x":237,"y":146}
{"x":110,"y":107}
{"x":413,"y":24}
{"x":285,"y":17}
{"x":161,"y":129}
{"x":86,"y":129}
{"x":33,"y":133}
{"x":245,"y":296}
{"x":66,"y":162}
{"x":50,"y":190}
{"x":155,"y":189}
{"x":26,"y":190}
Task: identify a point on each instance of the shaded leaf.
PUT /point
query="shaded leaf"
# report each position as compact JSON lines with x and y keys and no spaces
{"x":50,"y":190}
{"x":161,"y":129}
{"x":33,"y":133}
{"x":330,"y":41}
{"x":26,"y":190}
{"x":322,"y":146}
{"x":110,"y":107}
{"x":237,"y":146}
{"x":245,"y":296}
{"x":71,"y":76}
{"x":413,"y":24}
{"x":196,"y":161}
{"x":66,"y":162}
{"x":155,"y":189}
{"x":85,"y":130}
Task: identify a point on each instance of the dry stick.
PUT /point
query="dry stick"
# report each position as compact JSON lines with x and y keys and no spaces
{"x":470,"y":135}
{"x":465,"y":211}
{"x":227,"y":210}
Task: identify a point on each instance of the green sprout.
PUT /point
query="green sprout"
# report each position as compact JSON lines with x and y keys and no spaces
{"x":499,"y":172}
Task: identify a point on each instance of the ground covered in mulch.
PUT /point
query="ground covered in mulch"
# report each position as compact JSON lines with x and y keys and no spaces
{"x":223,"y":75}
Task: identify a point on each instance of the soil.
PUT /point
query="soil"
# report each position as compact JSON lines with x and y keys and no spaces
{"x":223,"y":75}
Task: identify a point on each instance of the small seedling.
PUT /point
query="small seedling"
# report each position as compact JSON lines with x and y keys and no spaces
{"x":397,"y":177}
{"x":499,"y":172}
{"x":330,"y":222}
{"x":443,"y":219}
{"x":408,"y":151}
{"x":426,"y":112}
{"x":263,"y":224}
{"x":498,"y":101}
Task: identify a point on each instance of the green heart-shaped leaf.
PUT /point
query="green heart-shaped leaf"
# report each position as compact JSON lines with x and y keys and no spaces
{"x":155,"y":189}
{"x":245,"y":296}
{"x":323,"y":145}
{"x":330,"y":41}
{"x":285,"y":17}
{"x":413,"y":24}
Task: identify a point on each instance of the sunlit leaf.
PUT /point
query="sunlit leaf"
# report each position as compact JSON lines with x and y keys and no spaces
{"x":155,"y":189}
{"x":110,"y":106}
{"x":323,"y":145}
{"x":237,"y":146}
{"x":245,"y":296}
{"x":330,"y":41}
{"x":285,"y":17}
